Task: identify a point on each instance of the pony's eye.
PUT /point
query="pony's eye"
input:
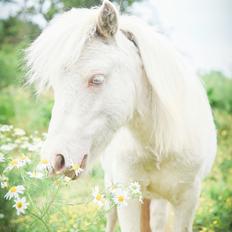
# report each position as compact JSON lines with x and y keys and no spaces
{"x":96,"y":80}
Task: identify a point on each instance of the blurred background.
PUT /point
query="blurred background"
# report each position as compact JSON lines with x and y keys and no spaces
{"x":201,"y":30}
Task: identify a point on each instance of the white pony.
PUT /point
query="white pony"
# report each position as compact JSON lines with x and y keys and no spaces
{"x":122,"y":90}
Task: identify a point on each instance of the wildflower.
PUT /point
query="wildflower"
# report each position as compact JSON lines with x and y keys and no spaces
{"x":44,"y":164}
{"x":78,"y":170}
{"x":8,"y":147}
{"x":120,"y":197}
{"x":14,"y":191}
{"x":44,"y":135}
{"x":20,"y":205}
{"x":34,"y":147}
{"x":67,"y":179}
{"x":135,"y":188}
{"x":24,"y":160}
{"x":135,"y":191}
{"x":4,"y":184}
{"x":6,"y":128}
{"x":4,"y":181}
{"x":15,"y":163}
{"x":2,"y":158}
{"x":35,"y":174}
{"x":19,"y":132}
{"x":25,"y":145}
{"x":98,"y":197}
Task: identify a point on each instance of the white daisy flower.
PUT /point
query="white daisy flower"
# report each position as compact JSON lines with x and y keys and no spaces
{"x":35,"y":174}
{"x":67,"y":179}
{"x":14,"y":192}
{"x":8,"y":147}
{"x":120,"y":197}
{"x":135,"y":191}
{"x":25,"y":145}
{"x":4,"y":181}
{"x":98,"y":198}
{"x":19,"y":132}
{"x":78,"y":170}
{"x":34,"y":147}
{"x":135,"y":188}
{"x":20,"y":205}
{"x":2,"y":158}
{"x":4,"y":184}
{"x":43,"y":164}
{"x":15,"y":163}
{"x":24,"y":160}
{"x":6,"y":128}
{"x":44,"y":135}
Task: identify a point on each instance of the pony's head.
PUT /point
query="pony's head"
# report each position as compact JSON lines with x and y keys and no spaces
{"x":92,"y":68}
{"x":108,"y":71}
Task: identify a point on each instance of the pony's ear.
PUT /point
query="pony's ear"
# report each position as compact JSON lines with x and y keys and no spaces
{"x":107,"y":22}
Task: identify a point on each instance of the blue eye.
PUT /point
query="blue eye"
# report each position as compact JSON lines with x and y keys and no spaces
{"x":97,"y":79}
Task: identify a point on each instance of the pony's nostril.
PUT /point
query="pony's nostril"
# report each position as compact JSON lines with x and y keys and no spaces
{"x":59,"y":162}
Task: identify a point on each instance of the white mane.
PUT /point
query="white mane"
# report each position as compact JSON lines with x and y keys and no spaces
{"x":175,"y":111}
{"x":59,"y":45}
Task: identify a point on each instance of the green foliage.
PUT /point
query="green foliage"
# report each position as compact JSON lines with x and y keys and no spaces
{"x":219,"y":89}
{"x":68,"y":4}
{"x":19,"y":106}
{"x":10,"y":72}
{"x":215,"y":211}
{"x":14,"y":30}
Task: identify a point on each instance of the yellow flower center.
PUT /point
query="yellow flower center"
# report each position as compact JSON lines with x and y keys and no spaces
{"x":121,"y":198}
{"x":19,"y":204}
{"x":75,"y":167}
{"x":98,"y":197}
{"x":33,"y":174}
{"x":13,"y":189}
{"x":23,"y":158}
{"x":14,"y":162}
{"x":44,"y":161}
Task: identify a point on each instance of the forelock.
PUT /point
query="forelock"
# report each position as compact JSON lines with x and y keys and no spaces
{"x":59,"y":46}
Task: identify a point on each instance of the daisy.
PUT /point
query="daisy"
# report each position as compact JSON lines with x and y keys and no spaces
{"x":43,"y":164}
{"x":19,"y":132}
{"x":24,"y":160}
{"x":15,"y":163}
{"x":2,"y":158}
{"x":14,"y":192}
{"x":135,"y":188}
{"x":20,"y":205}
{"x":67,"y":179}
{"x":120,"y":197}
{"x":8,"y":147}
{"x":4,"y":184}
{"x":25,"y":145}
{"x":35,"y":174}
{"x":98,"y":197}
{"x":6,"y":128}
{"x":4,"y":181}
{"x":78,"y":170}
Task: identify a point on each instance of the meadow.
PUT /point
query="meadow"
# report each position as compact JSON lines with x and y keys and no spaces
{"x":58,"y":204}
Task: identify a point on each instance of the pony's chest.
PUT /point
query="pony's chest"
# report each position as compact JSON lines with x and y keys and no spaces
{"x":164,"y":180}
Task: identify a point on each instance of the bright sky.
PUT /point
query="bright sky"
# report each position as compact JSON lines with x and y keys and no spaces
{"x":201,"y":29}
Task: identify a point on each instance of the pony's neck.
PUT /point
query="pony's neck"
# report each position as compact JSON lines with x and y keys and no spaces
{"x":142,"y":122}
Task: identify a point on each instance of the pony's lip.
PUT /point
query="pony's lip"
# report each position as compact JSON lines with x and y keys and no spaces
{"x":71,"y":173}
